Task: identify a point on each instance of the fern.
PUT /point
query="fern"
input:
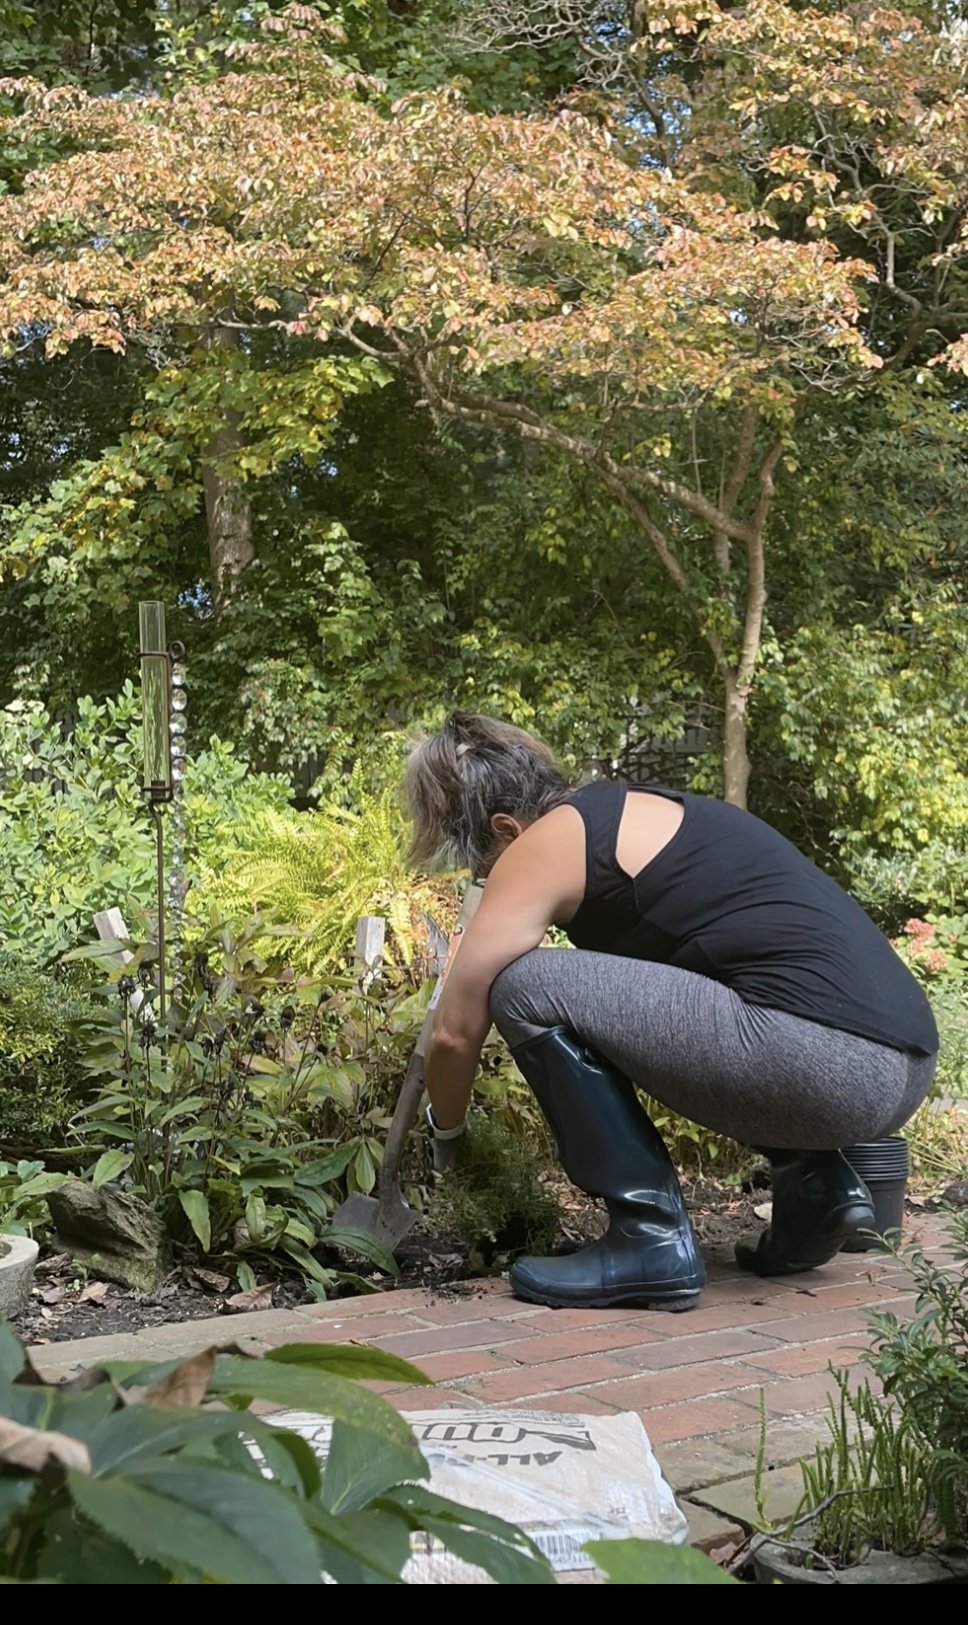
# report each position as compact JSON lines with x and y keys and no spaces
{"x":318,"y":872}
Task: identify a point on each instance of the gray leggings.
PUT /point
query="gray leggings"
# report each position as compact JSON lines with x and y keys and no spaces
{"x":758,"y":1075}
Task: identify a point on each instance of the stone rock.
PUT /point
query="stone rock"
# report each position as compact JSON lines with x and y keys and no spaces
{"x":18,"y":1260}
{"x":114,"y":1234}
{"x":957,"y":1194}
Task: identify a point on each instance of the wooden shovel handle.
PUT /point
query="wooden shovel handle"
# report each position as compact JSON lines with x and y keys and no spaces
{"x":408,"y":1100}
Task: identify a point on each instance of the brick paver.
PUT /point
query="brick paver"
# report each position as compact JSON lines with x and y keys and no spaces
{"x":695,"y":1379}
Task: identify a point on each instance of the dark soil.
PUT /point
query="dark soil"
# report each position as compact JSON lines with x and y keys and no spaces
{"x":66,"y":1303}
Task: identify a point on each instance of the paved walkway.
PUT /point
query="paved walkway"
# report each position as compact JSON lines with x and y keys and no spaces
{"x":695,"y":1379}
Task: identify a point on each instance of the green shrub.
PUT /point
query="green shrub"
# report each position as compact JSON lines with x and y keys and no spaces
{"x":495,"y":1199}
{"x":936,"y":949}
{"x":160,"y":1475}
{"x":74,"y":831}
{"x":42,"y":1079}
{"x":23,"y":1189}
{"x":211,"y":1119}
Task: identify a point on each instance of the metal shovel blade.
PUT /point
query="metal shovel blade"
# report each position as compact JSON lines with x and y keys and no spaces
{"x":387,"y":1221}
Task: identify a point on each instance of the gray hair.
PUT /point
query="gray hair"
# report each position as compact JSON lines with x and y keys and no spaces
{"x":457,"y":779}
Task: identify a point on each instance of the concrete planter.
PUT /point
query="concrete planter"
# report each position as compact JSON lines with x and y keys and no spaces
{"x":18,"y":1260}
{"x":773,"y":1562}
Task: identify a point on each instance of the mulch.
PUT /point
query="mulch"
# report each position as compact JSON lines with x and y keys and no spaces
{"x":67,"y":1303}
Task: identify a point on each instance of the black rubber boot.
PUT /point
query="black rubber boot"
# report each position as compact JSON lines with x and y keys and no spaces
{"x":819,"y":1203}
{"x":609,"y":1148}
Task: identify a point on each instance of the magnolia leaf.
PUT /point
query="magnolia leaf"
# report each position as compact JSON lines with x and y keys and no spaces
{"x":257,"y":1297}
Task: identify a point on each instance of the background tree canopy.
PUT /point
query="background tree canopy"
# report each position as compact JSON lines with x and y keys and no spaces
{"x":597,"y":364}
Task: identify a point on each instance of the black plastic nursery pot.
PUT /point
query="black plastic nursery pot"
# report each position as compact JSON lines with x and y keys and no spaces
{"x":884,"y":1166}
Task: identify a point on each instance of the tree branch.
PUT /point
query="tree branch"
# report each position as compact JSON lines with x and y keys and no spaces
{"x":730,"y":493}
{"x":756,"y":572}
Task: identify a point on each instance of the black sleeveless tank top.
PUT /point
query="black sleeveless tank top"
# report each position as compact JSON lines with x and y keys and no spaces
{"x":730,"y":898}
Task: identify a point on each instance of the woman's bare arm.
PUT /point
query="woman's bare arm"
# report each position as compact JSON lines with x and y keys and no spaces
{"x":539,"y":879}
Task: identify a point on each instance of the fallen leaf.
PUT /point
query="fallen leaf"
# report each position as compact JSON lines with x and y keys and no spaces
{"x":93,"y":1377}
{"x":33,"y":1450}
{"x":257,"y":1297}
{"x":94,"y":1292}
{"x":51,"y":1294}
{"x":184,"y":1388}
{"x":210,"y":1280}
{"x":724,"y":1554}
{"x":50,"y":1266}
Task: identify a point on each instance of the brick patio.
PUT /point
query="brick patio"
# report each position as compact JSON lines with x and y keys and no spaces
{"x":695,"y":1379}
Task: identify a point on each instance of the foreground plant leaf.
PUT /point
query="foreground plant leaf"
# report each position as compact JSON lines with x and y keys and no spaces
{"x":341,"y":1360}
{"x":358,"y":1470}
{"x":652,"y":1563}
{"x":192,"y":1516}
{"x":501,"y":1550}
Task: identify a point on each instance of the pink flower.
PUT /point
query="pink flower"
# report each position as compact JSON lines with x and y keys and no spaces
{"x":919,"y":929}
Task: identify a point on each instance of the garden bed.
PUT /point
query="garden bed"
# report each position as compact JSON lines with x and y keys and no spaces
{"x":67,"y":1304}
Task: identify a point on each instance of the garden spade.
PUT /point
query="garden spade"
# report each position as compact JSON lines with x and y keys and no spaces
{"x":386,"y":1218}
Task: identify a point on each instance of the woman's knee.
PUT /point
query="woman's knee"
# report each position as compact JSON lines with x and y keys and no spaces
{"x":513,"y":990}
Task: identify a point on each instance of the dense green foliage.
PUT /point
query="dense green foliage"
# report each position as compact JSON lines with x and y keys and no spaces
{"x":41,"y":1046}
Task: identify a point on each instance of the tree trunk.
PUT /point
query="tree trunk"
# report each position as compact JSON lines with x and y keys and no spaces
{"x":228,"y":515}
{"x":736,"y":757}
